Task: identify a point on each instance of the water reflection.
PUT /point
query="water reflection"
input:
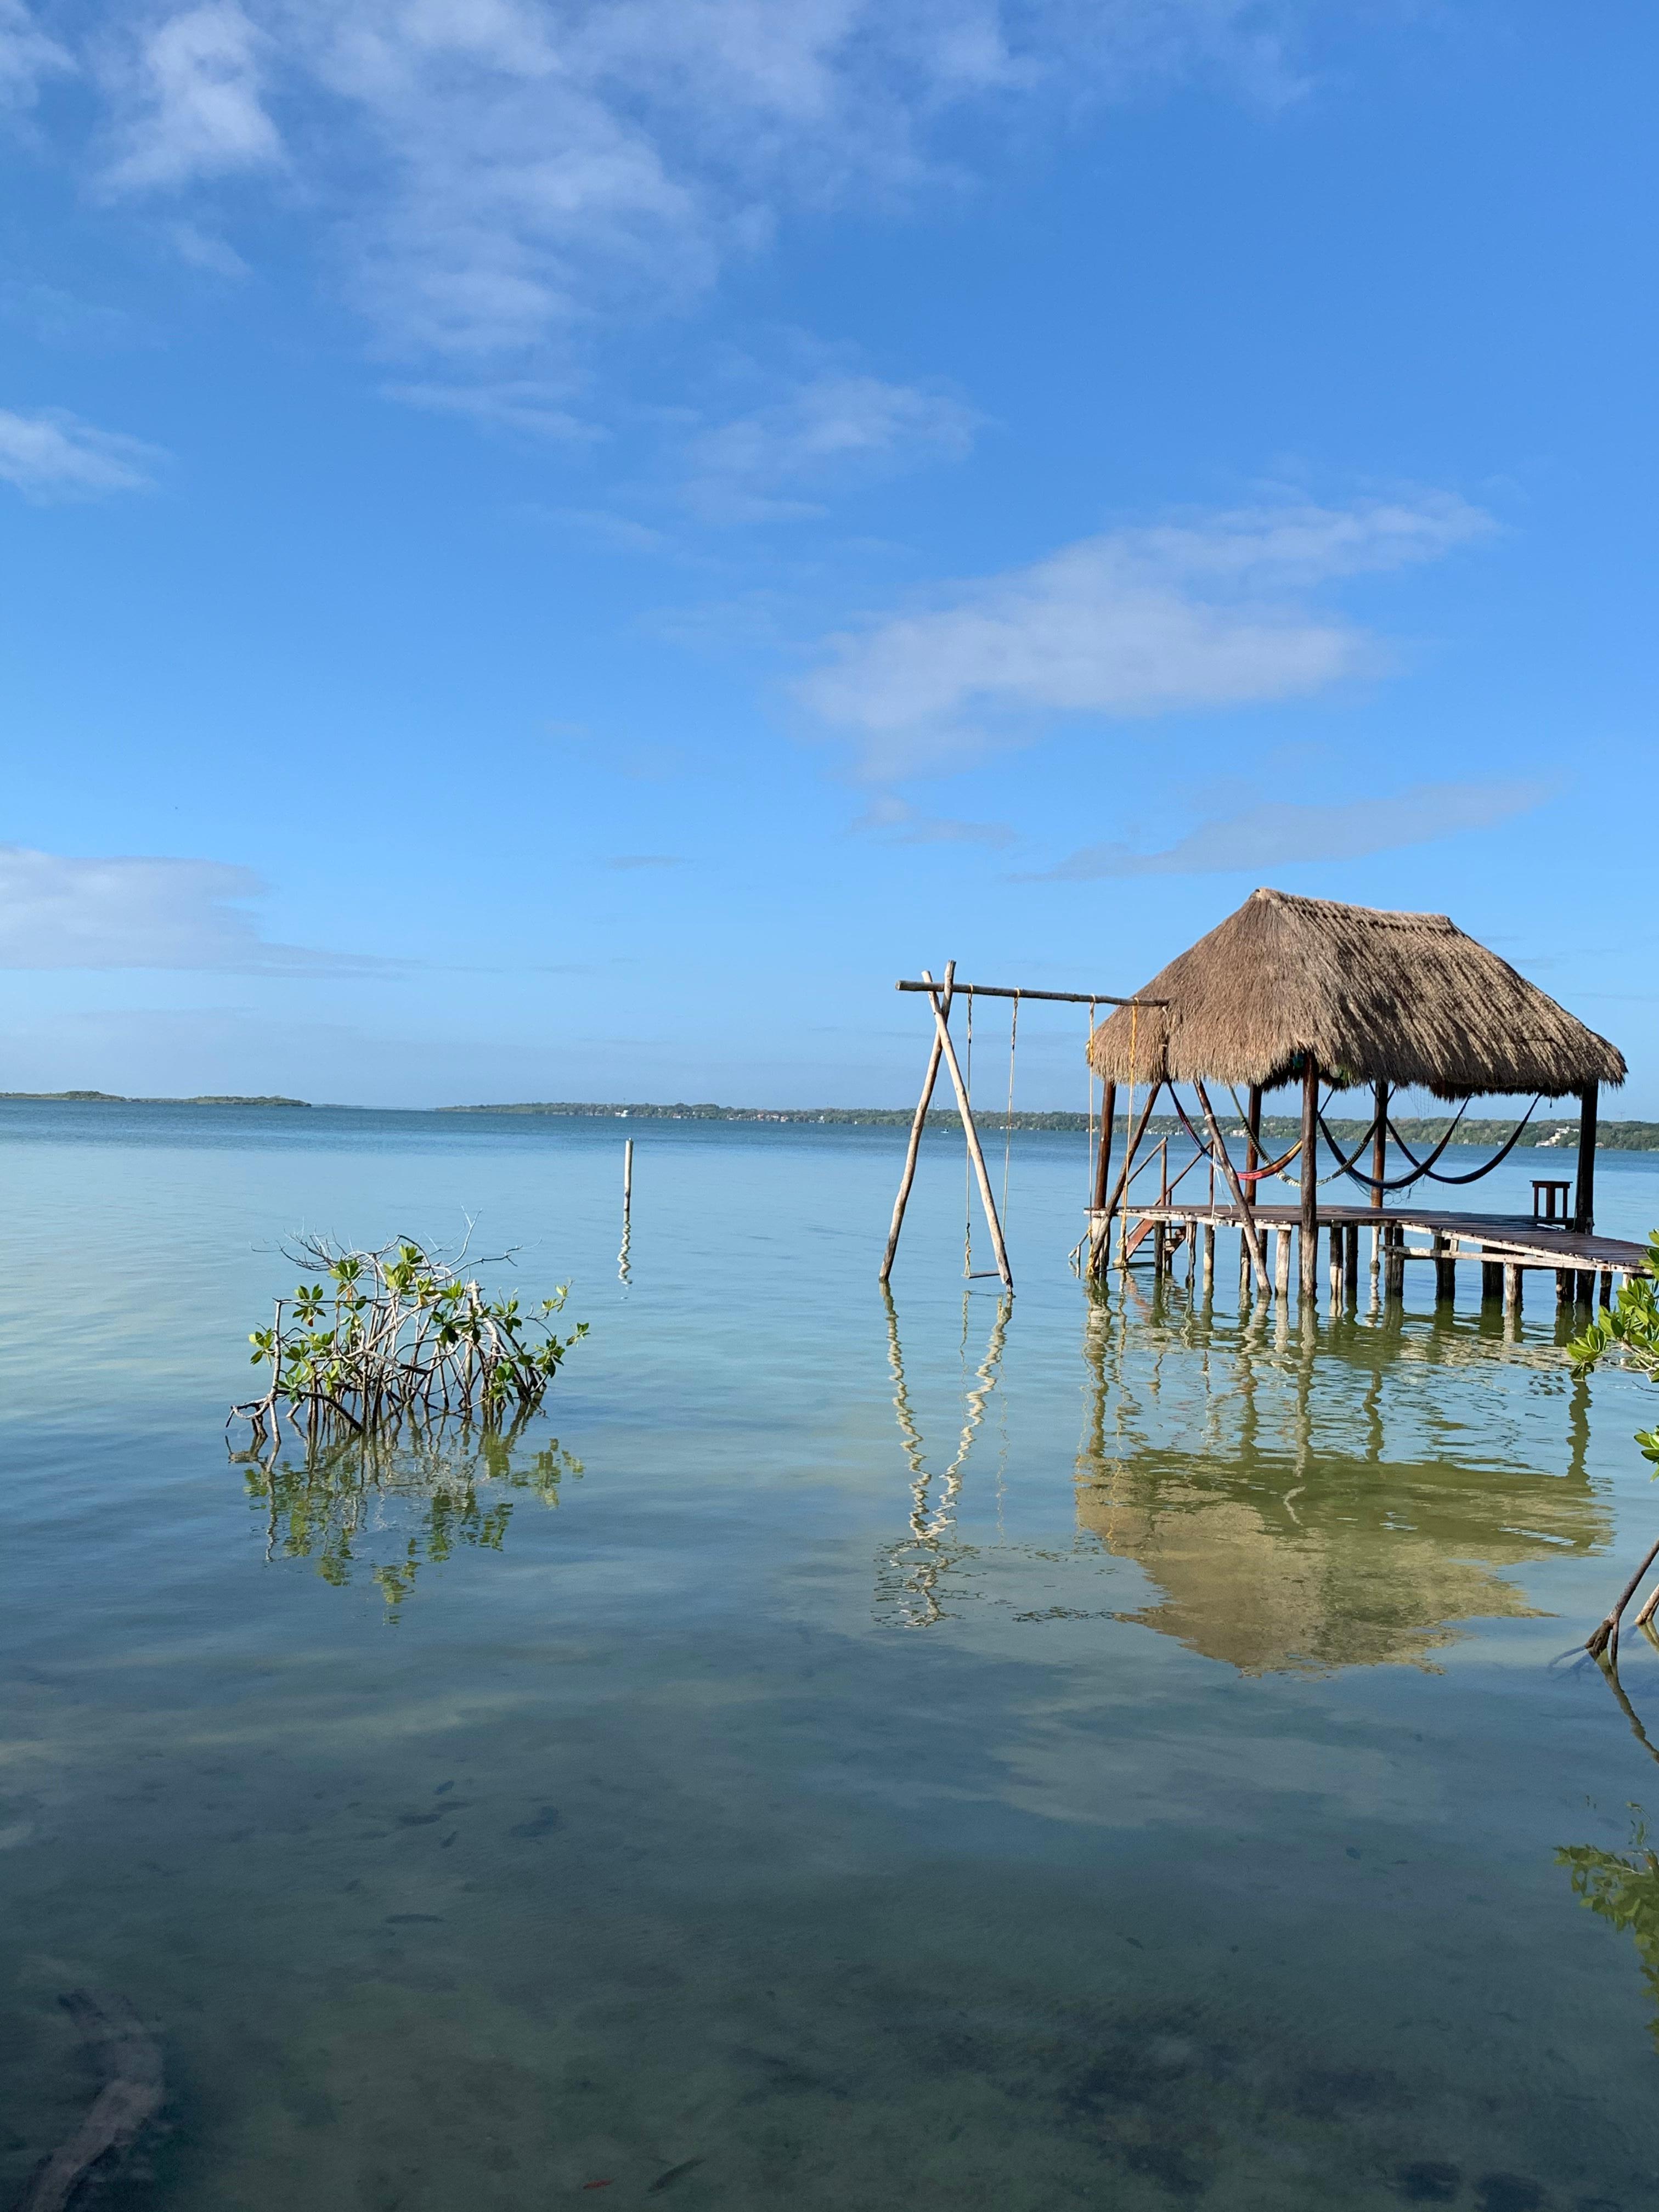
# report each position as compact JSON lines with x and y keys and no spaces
{"x":1624,"y":1891}
{"x":395,"y":1505}
{"x":912,"y":1572}
{"x":1281,"y":1531}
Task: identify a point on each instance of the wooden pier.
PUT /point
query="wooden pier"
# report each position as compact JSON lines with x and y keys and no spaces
{"x":1505,"y":1247}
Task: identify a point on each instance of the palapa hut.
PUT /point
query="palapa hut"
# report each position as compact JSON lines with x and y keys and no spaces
{"x":1306,"y":990}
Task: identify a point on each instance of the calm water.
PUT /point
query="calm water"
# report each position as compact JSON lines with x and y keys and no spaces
{"x":934,"y":1756}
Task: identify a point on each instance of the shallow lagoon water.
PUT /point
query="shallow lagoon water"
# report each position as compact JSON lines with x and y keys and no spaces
{"x":1095,"y":1752}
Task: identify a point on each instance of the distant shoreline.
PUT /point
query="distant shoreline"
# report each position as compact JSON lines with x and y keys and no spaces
{"x":116,"y":1098}
{"x":1554,"y":1135}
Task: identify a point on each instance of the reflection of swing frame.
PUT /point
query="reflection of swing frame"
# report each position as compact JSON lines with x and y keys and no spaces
{"x":941,"y":996}
{"x":921,"y":1558}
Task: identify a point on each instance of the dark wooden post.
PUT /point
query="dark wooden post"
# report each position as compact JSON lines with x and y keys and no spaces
{"x":1252,"y":1153}
{"x":1102,"y":1231}
{"x":1380,"y":1146}
{"x":1104,"y":1155}
{"x":1583,"y":1212}
{"x":1309,"y":1238}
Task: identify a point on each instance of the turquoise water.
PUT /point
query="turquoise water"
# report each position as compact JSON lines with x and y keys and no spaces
{"x":1093,"y":1752}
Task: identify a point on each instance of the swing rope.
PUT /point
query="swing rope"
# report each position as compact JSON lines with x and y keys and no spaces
{"x":1008,"y":1132}
{"x":1089,"y":1077}
{"x":967,"y":1161}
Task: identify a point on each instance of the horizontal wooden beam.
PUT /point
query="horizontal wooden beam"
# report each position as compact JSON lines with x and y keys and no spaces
{"x":1070,"y":998}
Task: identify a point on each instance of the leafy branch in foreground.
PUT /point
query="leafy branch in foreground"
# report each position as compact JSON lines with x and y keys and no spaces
{"x":1630,"y":1329}
{"x":379,"y":1338}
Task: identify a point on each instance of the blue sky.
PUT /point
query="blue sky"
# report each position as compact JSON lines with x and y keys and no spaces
{"x":553,"y":551}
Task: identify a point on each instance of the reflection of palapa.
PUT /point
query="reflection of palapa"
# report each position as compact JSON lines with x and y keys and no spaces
{"x":1276,"y":1565}
{"x":1277,"y":1553}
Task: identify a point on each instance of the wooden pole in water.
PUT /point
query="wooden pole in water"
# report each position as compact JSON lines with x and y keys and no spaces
{"x":1310,"y":1178}
{"x":917,"y":1126}
{"x":1252,"y":1159}
{"x":981,"y":1173}
{"x":1379,"y":1167}
{"x":628,"y":1177}
{"x":1584,"y":1212}
{"x":1102,"y":1174}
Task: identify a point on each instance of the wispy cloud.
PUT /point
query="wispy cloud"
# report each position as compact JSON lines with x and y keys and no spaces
{"x":1195,"y":614}
{"x":897,"y":823}
{"x":190,"y":92}
{"x":533,"y":406}
{"x":1280,"y":833}
{"x":498,"y":174}
{"x":60,"y":911}
{"x":644,"y":861}
{"x":52,"y":455}
{"x":831,"y":429}
{"x":27,"y":55}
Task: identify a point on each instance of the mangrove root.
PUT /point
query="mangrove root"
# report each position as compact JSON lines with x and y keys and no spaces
{"x":131,"y":2094}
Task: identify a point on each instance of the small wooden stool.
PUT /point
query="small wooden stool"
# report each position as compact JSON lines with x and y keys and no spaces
{"x":1549,"y":1202}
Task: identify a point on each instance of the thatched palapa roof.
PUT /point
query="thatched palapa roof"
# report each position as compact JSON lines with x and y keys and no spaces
{"x":1374,"y":997}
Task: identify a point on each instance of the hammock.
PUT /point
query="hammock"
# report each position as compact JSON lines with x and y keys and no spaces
{"x":1421,"y":1168}
{"x":1497,"y":1159}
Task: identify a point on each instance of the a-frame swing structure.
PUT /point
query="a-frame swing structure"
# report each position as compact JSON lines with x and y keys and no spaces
{"x":942,"y":995}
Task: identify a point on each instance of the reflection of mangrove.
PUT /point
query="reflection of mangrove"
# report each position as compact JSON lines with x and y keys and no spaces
{"x":396,"y":1504}
{"x":1276,"y":1549}
{"x":1625,"y":1893}
{"x":913,"y":1570}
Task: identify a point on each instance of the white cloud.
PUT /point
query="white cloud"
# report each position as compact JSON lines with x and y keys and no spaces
{"x":192,"y":101}
{"x":27,"y":55}
{"x":1280,"y":833}
{"x":527,"y":405}
{"x":1141,"y":621}
{"x":832,"y":427}
{"x":900,"y":824}
{"x":52,"y":455}
{"x":58,"y":911}
{"x":499,"y":172}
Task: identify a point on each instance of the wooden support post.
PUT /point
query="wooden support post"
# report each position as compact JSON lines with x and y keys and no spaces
{"x":1511,"y":1290}
{"x":1583,"y":1212}
{"x":1336,"y":1266}
{"x":1282,"y":1266}
{"x":1393,"y":1263}
{"x":983,"y":1174}
{"x":1606,"y":1292}
{"x":1160,"y":1249}
{"x":1563,"y":1287}
{"x":1379,"y":1166}
{"x":1209,"y":1257}
{"x":1103,"y":1175}
{"x":1244,"y":1283}
{"x":1492,"y":1281}
{"x":1309,"y":1169}
{"x":1253,"y":1160}
{"x":628,"y":1177}
{"x":918,"y":1124}
{"x":1445,"y":1275}
{"x":1351,"y":1265}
